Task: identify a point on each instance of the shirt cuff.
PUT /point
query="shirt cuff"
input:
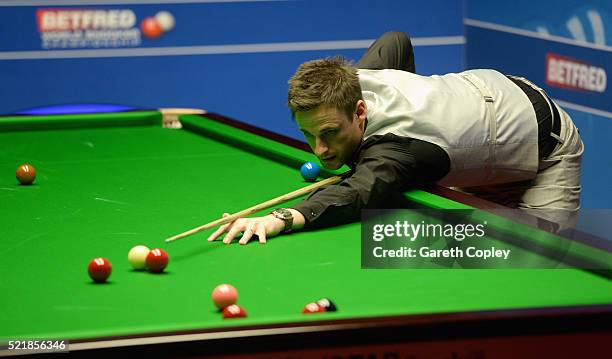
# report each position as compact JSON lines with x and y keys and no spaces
{"x":310,"y":211}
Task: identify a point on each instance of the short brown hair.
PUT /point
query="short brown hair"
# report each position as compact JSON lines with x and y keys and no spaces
{"x":331,"y":81}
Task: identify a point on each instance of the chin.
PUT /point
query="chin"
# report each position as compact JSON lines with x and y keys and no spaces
{"x":332,"y":166}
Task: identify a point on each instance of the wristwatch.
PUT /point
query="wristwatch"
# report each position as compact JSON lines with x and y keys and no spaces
{"x":285,"y":215}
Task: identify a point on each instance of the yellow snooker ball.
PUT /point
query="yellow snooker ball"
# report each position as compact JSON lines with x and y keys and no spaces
{"x":137,"y":257}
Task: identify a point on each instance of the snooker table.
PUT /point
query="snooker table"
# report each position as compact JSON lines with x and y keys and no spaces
{"x":108,"y":182}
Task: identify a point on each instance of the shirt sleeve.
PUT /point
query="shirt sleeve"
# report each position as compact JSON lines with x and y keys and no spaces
{"x":387,"y":165}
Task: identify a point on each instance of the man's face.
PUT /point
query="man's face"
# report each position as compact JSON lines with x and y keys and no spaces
{"x":332,"y":136}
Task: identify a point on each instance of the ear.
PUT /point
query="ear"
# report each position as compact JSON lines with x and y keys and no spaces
{"x":362,"y":113}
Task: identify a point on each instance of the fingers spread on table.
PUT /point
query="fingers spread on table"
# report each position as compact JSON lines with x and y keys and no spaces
{"x":220,"y":230}
{"x":236,"y":227}
{"x":248,"y":233}
{"x":249,"y":227}
{"x":260,"y":230}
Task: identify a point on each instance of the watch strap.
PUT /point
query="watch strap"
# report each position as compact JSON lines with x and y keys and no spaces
{"x":286,"y":216}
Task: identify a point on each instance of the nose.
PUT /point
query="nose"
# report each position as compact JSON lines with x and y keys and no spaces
{"x":320,"y":147}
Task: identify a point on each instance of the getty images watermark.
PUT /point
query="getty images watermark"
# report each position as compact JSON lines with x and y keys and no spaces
{"x":471,"y":239}
{"x":412,"y":231}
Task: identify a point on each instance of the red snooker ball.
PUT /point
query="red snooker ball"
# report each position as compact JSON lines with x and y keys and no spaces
{"x":151,"y":28}
{"x":224,"y":295}
{"x":26,"y":174}
{"x":234,"y":311}
{"x":99,"y":269}
{"x":313,"y":308}
{"x":157,"y":260}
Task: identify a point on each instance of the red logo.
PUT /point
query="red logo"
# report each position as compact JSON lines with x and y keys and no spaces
{"x":154,"y":26}
{"x":572,"y":74}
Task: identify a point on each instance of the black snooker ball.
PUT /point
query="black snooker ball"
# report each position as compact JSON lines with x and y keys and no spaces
{"x":327,"y":304}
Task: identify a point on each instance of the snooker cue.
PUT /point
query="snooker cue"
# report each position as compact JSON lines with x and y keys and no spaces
{"x":259,"y":207}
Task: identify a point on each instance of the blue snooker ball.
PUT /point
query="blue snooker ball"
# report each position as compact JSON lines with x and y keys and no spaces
{"x":310,"y":171}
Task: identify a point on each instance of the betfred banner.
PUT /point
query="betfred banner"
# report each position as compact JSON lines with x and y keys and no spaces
{"x":98,"y":28}
{"x":563,"y":46}
{"x":574,"y":75}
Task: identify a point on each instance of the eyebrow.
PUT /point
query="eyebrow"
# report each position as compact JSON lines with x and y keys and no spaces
{"x":322,"y":129}
{"x":327,"y":128}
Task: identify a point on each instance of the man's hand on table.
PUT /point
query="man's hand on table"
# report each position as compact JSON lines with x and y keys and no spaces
{"x":264,"y":227}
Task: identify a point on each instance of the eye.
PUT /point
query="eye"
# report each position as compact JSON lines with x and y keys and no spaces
{"x":328,"y":133}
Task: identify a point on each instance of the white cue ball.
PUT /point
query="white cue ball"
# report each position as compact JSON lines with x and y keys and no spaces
{"x":138,"y":256}
{"x":165,"y":20}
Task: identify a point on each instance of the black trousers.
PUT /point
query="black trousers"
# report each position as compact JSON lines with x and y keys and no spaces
{"x":393,"y":50}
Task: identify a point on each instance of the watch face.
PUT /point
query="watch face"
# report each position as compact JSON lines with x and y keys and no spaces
{"x":283,"y":212}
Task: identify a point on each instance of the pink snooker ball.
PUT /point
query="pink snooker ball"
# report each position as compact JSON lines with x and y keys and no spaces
{"x":224,"y":295}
